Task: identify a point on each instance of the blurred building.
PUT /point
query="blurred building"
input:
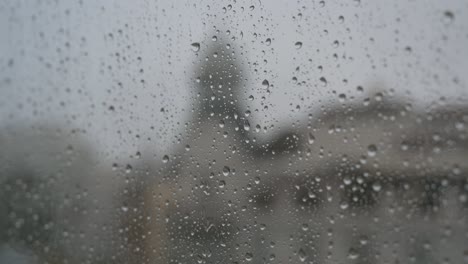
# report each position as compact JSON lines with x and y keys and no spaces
{"x":54,"y":202}
{"x":367,"y":180}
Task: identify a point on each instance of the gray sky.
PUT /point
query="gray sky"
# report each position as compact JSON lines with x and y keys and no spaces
{"x":69,"y":62}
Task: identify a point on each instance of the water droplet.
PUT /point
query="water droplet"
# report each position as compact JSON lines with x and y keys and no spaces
{"x":222,"y":184}
{"x":344,"y":205}
{"x":363,"y":240}
{"x":347,"y":180}
{"x":353,"y":254}
{"x":342,"y":97}
{"x":266,"y":84}
{"x":408,"y":49}
{"x":463,"y":198}
{"x":128,"y":168}
{"x":366,"y":102}
{"x":341,"y":19}
{"x":311,"y":194}
{"x":165,"y":158}
{"x":404,"y":146}
{"x":379,"y":97}
{"x":195,"y":46}
{"x":311,"y":138}
{"x":246,"y":125}
{"x":371,"y":150}
{"x":323,"y":81}
{"x":258,"y":128}
{"x":302,"y":255}
{"x":226,"y":170}
{"x":268,"y":41}
{"x":336,"y":44}
{"x":298,"y":45}
{"x":214,"y":38}
{"x":376,"y":186}
{"x":448,"y":17}
{"x":248,"y":256}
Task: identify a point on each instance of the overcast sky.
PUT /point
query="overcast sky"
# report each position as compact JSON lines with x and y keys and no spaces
{"x":72,"y":62}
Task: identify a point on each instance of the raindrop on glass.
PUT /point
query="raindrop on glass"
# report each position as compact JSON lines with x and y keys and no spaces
{"x":298,"y":45}
{"x":226,"y":170}
{"x":371,"y":150}
{"x":195,"y":46}
{"x":448,"y":17}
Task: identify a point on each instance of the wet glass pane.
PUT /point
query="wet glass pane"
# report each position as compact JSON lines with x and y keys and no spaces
{"x":233,"y":131}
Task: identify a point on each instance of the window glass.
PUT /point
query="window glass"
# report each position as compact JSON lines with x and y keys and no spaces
{"x":234,"y":131}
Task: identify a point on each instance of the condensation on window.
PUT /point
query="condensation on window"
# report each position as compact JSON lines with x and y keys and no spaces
{"x":234,"y":131}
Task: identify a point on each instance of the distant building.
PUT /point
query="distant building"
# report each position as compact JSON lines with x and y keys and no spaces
{"x":371,"y":181}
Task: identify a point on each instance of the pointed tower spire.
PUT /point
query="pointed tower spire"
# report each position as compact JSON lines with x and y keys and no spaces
{"x":219,"y":80}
